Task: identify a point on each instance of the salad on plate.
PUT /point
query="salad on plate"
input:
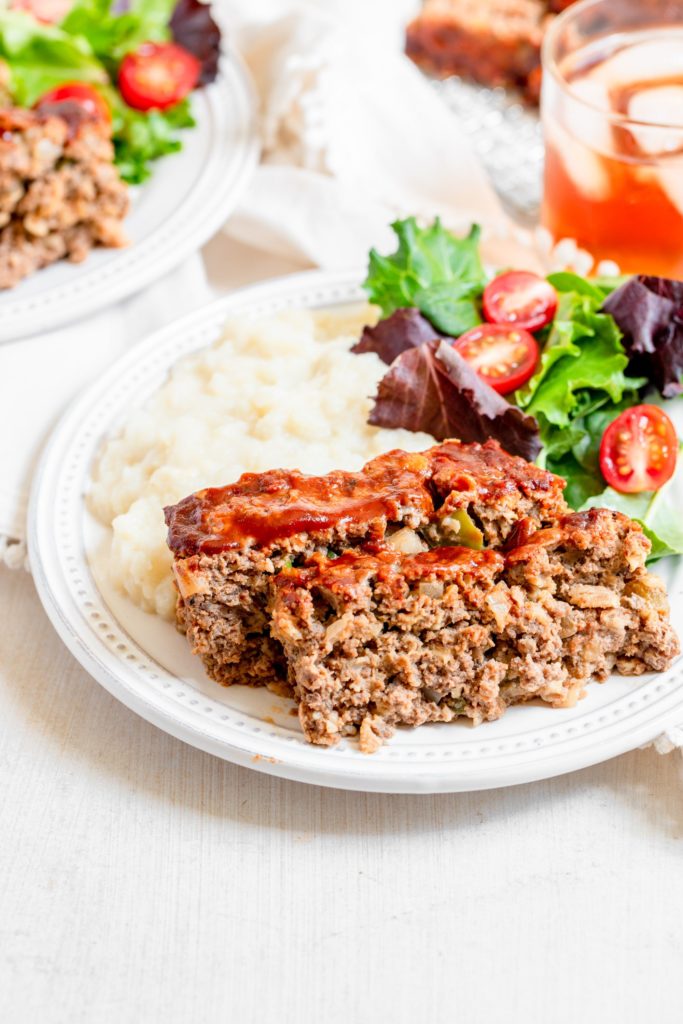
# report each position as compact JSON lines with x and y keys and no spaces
{"x":133,"y":63}
{"x":91,"y":94}
{"x":580,"y":375}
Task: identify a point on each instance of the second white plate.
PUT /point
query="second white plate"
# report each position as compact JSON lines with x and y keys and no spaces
{"x":189,"y":196}
{"x":147,"y":665}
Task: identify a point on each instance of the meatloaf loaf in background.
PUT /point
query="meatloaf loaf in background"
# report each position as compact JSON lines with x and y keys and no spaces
{"x":228,"y":543}
{"x":60,"y":193}
{"x":376,"y":639}
{"x":493,"y":42}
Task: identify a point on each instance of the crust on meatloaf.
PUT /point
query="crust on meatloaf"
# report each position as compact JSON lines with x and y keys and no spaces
{"x":376,"y":638}
{"x":284,"y":509}
{"x":229,"y":542}
{"x":60,"y":193}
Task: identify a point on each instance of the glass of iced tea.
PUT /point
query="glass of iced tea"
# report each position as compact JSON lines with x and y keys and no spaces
{"x":612,"y":111}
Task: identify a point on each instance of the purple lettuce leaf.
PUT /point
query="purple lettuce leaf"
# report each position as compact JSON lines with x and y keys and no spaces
{"x":395,"y":334}
{"x":649,"y":312}
{"x":431,"y":388}
{"x":193,"y":27}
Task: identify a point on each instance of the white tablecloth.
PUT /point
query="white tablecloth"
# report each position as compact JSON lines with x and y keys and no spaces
{"x":142,"y":881}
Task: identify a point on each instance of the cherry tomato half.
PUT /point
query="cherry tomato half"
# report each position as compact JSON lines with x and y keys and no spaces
{"x":520,"y":298}
{"x":504,"y":357}
{"x":157,"y":76}
{"x":84,"y":95}
{"x":638,"y":450}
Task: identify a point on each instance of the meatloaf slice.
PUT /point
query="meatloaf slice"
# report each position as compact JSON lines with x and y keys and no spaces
{"x":377,"y":638}
{"x":60,"y":193}
{"x":494,"y":42}
{"x":229,"y":543}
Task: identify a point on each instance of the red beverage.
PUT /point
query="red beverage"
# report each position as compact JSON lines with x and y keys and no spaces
{"x":612,"y":112}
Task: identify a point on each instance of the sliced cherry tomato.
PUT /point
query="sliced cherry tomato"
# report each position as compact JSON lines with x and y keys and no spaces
{"x":84,"y":95}
{"x":157,"y":76}
{"x":521,"y":298}
{"x":638,"y":450}
{"x":505,"y":357}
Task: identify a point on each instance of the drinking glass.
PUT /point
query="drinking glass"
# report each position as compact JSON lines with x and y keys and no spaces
{"x":612,"y":114}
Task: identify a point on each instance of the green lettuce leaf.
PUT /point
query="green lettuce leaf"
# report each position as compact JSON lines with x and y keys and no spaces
{"x":110,"y":35}
{"x":41,"y":57}
{"x":141,"y":138}
{"x":581,"y":483}
{"x":598,"y":287}
{"x":433,"y":270}
{"x":566,"y":282}
{"x":583,"y":351}
{"x":658,"y":512}
{"x":580,"y":386}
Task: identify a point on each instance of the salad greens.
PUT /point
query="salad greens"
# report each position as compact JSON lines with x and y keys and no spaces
{"x":439,"y":274}
{"x":112,"y":35}
{"x":395,"y":334}
{"x":87,"y":46}
{"x":581,"y":385}
{"x":432,"y":388}
{"x":41,"y":57}
{"x":649,"y":312}
{"x":193,"y":27}
{"x":142,"y":137}
{"x":587,"y":375}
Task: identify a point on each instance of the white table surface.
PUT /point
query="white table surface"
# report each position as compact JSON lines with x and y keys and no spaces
{"x":143,"y":881}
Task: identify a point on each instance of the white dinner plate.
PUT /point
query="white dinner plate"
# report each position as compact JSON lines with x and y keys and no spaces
{"x":188,"y":197}
{"x":146,"y":664}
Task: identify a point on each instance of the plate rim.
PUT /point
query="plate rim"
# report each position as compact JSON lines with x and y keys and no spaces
{"x":194,"y":223}
{"x":376,"y":775}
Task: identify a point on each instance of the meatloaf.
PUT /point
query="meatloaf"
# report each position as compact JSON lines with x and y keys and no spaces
{"x":377,"y":638}
{"x":494,"y":42}
{"x":229,"y":543}
{"x":449,"y":583}
{"x":60,"y":193}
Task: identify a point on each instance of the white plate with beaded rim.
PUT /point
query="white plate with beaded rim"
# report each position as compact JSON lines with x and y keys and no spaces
{"x":145,"y":663}
{"x":188,"y":197}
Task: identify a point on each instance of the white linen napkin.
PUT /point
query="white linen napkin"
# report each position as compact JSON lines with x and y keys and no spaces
{"x":353,"y":134}
{"x":38,"y":377}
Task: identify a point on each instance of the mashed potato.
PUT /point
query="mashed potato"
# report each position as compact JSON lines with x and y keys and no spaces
{"x":276,"y":392}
